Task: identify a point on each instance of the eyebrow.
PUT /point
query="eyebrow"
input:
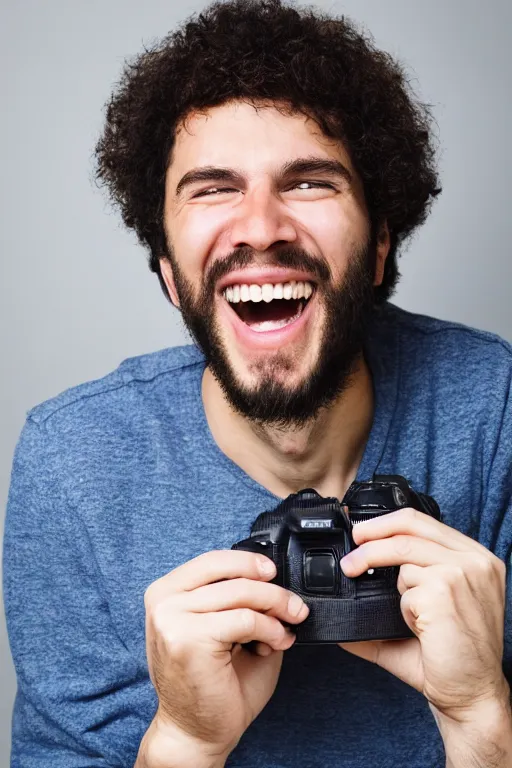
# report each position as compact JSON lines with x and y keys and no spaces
{"x":299,"y":167}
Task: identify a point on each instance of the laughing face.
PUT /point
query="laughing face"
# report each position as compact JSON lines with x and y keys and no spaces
{"x":271,"y":258}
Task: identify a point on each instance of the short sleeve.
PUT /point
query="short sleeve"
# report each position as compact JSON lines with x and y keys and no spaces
{"x":83,"y":698}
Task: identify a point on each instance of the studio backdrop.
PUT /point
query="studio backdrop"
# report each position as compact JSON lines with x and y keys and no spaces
{"x":76,"y":294}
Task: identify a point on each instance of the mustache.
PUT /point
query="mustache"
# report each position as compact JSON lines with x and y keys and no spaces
{"x":287,"y":256}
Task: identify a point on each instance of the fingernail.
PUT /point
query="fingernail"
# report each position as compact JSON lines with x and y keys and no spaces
{"x":295,"y":605}
{"x":347,"y":562}
{"x":266,"y":566}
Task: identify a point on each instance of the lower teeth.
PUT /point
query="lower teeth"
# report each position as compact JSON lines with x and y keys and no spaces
{"x":273,"y":325}
{"x":269,"y":325}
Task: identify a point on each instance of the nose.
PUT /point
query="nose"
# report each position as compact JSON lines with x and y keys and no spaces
{"x":261,"y":221}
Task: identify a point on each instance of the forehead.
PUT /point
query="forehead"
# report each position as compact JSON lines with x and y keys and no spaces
{"x":250,"y":137}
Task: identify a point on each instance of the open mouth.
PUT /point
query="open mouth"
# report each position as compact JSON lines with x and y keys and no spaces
{"x":269,"y":307}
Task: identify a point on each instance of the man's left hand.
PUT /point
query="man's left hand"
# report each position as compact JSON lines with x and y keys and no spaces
{"x":453,"y":600}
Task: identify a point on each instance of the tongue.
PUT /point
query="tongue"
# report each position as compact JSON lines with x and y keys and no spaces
{"x":276,"y":313}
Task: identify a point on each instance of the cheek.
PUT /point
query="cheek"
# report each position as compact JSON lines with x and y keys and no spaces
{"x":194,"y":235}
{"x":336,"y":233}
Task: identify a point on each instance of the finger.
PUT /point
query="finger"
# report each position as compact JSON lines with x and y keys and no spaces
{"x":412,"y":522}
{"x":423,"y":609}
{"x":439,"y":602}
{"x":242,"y":625}
{"x":262,"y":649}
{"x":211,"y":567}
{"x":257,"y":677}
{"x":245,"y":593}
{"x":410,"y":609}
{"x":450,"y":575}
{"x":400,"y":657}
{"x":395,"y":550}
{"x":445,"y":591}
{"x":364,"y":649}
{"x":454,"y":576}
{"x":409,"y":576}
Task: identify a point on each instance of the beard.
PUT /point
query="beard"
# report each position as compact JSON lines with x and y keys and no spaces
{"x":347,"y":307}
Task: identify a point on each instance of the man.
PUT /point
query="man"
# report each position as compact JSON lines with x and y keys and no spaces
{"x":273,"y":162}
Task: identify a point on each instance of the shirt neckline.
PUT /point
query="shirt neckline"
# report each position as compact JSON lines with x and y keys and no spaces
{"x":382,"y":355}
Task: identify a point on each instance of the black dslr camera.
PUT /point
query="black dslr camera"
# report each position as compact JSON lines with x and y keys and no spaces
{"x":306,"y":536}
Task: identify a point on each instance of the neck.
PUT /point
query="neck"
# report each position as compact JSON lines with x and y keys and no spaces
{"x":324,"y":454}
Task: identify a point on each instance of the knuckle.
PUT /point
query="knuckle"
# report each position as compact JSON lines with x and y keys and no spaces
{"x":454,"y":574}
{"x":406,"y":574}
{"x":173,"y":641}
{"x":159,"y":619}
{"x":152,"y":592}
{"x":155,"y":591}
{"x":208,"y":559}
{"x":406,"y":603}
{"x":237,"y":589}
{"x":177,"y":648}
{"x":249,"y":592}
{"x":273,"y":629}
{"x":148,"y":597}
{"x":501,"y":569}
{"x":273,"y":595}
{"x":403,"y":545}
{"x":443,"y":588}
{"x":279,"y":632}
{"x":483,"y":565}
{"x":247,"y":619}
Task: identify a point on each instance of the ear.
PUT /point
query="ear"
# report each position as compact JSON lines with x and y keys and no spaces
{"x":168,"y":277}
{"x":383,"y":246}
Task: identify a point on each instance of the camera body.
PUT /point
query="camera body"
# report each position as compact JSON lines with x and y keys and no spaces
{"x":306,"y":536}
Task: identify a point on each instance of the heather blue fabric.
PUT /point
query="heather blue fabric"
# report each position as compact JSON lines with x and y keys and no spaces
{"x":118,"y":481}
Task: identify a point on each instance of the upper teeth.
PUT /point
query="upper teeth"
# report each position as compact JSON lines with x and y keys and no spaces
{"x":268,"y":291}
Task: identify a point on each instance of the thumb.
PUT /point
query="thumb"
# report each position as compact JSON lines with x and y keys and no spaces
{"x":257,"y":677}
{"x":367,"y":649}
{"x":401,"y":658}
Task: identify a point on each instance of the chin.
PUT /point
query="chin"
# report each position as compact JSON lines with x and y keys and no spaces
{"x":284,"y":371}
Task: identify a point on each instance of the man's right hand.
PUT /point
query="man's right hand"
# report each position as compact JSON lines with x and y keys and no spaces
{"x":209,"y":687}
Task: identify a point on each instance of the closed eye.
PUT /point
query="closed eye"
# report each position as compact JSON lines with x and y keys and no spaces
{"x":302,"y":185}
{"x":214,"y":191}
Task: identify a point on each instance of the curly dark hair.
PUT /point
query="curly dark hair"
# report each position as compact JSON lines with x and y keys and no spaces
{"x":265,"y":50}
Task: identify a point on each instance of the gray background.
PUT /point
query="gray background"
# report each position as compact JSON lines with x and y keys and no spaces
{"x":75,"y":294}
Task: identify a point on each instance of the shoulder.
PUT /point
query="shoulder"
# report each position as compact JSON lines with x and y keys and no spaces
{"x":145,"y":373}
{"x":427,"y":331}
{"x":110,"y":422}
{"x":430,"y":346}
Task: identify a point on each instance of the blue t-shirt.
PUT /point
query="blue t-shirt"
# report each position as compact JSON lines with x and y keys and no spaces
{"x":118,"y":481}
